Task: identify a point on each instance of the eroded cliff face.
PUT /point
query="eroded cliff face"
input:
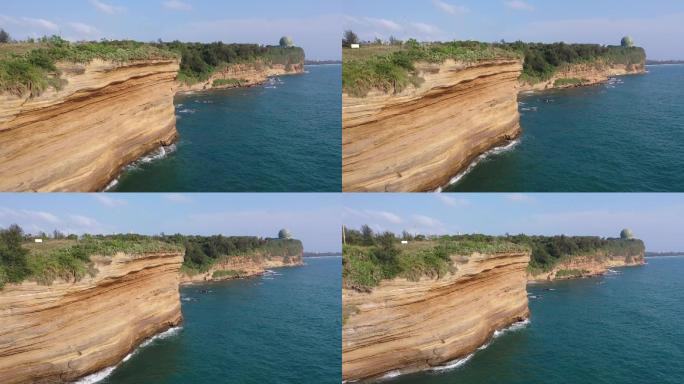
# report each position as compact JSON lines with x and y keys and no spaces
{"x":58,"y":333}
{"x":587,"y":73}
{"x":77,"y":139}
{"x":246,"y":266}
{"x":247,"y":75}
{"x":419,"y":139}
{"x":586,"y":266}
{"x":404,"y":326}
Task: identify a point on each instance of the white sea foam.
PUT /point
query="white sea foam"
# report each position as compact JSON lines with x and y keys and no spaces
{"x":187,"y":110}
{"x":474,"y":163}
{"x":112,"y":184}
{"x":95,"y":377}
{"x":103,"y":374}
{"x":164,"y":335}
{"x":512,"y":328}
{"x":453,"y":364}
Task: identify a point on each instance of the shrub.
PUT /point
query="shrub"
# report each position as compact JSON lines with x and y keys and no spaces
{"x":13,"y":257}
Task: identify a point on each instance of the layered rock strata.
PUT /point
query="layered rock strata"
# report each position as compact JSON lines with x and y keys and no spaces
{"x":243,"y":75}
{"x":418,"y":139}
{"x":107,"y":115}
{"x":241,"y":267}
{"x":586,"y":266}
{"x":60,"y":332}
{"x":584,"y":74}
{"x":403,"y":326}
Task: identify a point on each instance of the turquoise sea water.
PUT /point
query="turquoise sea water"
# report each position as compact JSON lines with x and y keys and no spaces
{"x":625,"y":136}
{"x":624,"y":328}
{"x":283,"y":328}
{"x":280,"y":137}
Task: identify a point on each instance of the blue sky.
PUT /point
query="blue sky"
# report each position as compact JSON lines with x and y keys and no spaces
{"x":658,"y":219}
{"x":313,"y":218}
{"x":313,"y":25}
{"x":657,"y":25}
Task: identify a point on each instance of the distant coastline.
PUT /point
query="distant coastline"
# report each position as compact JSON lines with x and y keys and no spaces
{"x":664,"y":62}
{"x":657,"y":254}
{"x":322,"y":62}
{"x":321,"y":254}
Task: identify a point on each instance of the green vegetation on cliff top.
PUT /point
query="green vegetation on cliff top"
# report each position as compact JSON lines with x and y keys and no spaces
{"x":391,"y":67}
{"x":68,"y":257}
{"x":369,"y":258}
{"x":29,"y":68}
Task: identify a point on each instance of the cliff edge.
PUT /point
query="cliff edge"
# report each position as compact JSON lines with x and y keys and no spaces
{"x":78,"y":138}
{"x":419,"y":138}
{"x":60,"y":332}
{"x":402,"y":326}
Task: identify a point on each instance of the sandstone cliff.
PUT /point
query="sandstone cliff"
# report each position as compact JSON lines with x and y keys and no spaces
{"x":419,"y":139}
{"x":78,"y":138}
{"x":404,"y":326}
{"x":243,"y":75}
{"x":584,"y":74}
{"x":586,"y":266}
{"x":241,"y":267}
{"x":58,"y":333}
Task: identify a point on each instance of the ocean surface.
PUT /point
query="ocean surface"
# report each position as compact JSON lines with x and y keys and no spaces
{"x":282,"y":328}
{"x":622,"y":328}
{"x":283,"y":136}
{"x":627,"y":135}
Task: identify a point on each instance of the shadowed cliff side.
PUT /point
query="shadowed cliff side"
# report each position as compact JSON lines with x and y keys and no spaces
{"x":402,"y":326}
{"x":107,"y":115}
{"x":57,"y":333}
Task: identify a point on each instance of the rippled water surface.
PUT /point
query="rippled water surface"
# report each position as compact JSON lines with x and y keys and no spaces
{"x":283,"y":328}
{"x":622,"y":328}
{"x":284,"y":136}
{"x":624,"y":136}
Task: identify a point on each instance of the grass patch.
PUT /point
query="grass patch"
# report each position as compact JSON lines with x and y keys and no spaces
{"x":228,"y":273}
{"x":569,"y":273}
{"x":228,"y":82}
{"x":568,"y":81}
{"x":70,"y":260}
{"x":364,"y":266}
{"x":392,"y":68}
{"x":30,"y":68}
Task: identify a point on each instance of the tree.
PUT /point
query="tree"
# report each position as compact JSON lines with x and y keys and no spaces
{"x":350,"y":38}
{"x":367,"y":235}
{"x":394,"y":41}
{"x":12,"y":255}
{"x":4,"y":36}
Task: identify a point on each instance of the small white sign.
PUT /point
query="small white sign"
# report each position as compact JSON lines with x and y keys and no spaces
{"x":355,"y":46}
{"x":38,"y":240}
